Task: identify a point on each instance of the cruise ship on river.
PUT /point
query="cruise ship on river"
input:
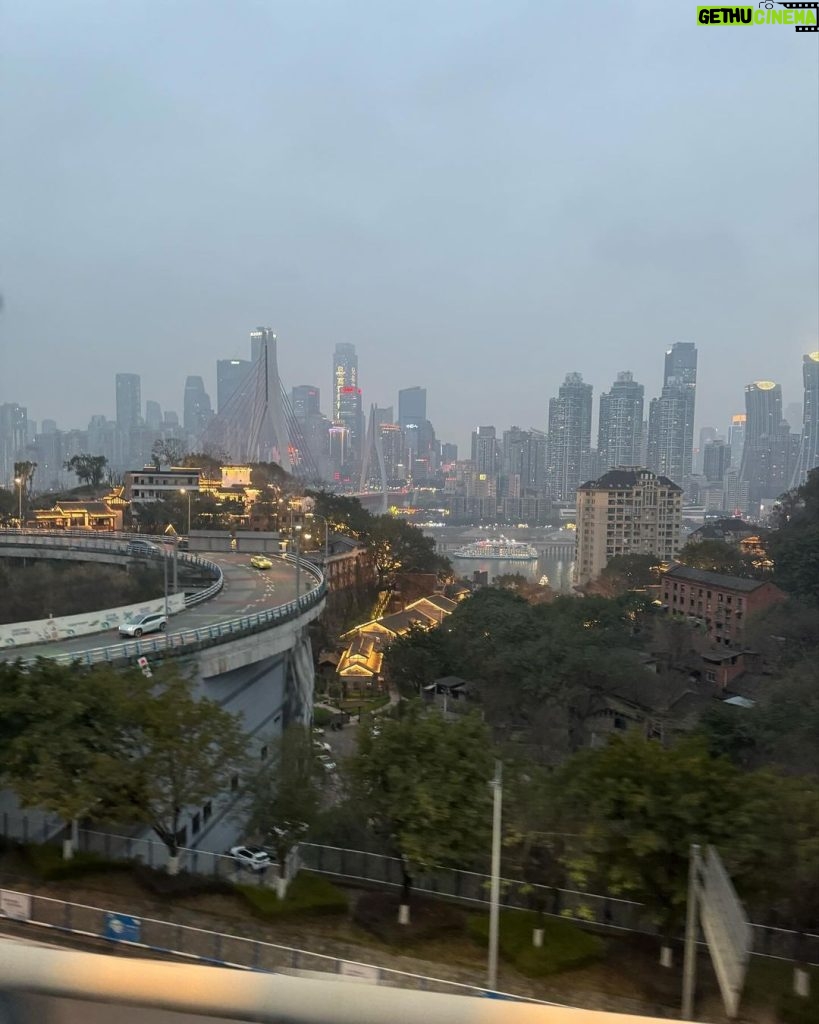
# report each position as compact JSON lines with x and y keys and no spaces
{"x":499,"y":549}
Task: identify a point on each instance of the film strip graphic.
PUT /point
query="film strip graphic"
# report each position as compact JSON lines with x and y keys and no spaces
{"x":814,"y":5}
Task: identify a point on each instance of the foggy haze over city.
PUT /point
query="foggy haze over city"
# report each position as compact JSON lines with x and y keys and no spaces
{"x":481,"y":198}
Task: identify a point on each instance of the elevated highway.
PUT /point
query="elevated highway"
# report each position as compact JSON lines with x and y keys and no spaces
{"x":242,"y":600}
{"x":243,"y":641}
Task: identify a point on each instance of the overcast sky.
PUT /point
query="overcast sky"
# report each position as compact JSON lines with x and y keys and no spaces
{"x":481,"y":197}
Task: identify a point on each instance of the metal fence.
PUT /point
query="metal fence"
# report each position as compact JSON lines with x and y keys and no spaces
{"x":370,"y":869}
{"x":220,"y":948}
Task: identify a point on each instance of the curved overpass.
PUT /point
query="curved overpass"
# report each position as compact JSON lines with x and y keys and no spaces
{"x":248,"y":601}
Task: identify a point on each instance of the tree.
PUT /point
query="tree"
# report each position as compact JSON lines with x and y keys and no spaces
{"x":639,"y":807}
{"x":416,"y":659}
{"x":60,"y":754}
{"x":89,"y":469}
{"x":24,"y":471}
{"x":794,"y":543}
{"x":397,"y":545}
{"x":284,"y":796}
{"x":177,"y":751}
{"x":716,"y":556}
{"x":8,"y":505}
{"x":626,"y":572}
{"x":424,"y":784}
{"x":167,"y":452}
{"x":210,"y":463}
{"x":535,"y":836}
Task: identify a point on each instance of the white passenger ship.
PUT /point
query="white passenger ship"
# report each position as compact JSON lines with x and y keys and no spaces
{"x":499,"y":549}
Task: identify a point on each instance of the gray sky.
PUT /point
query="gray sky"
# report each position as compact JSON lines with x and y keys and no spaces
{"x":480,"y":196}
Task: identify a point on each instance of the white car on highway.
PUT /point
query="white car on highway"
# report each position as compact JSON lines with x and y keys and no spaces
{"x":153,"y":622}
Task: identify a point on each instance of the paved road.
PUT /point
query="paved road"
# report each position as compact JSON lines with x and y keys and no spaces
{"x":246,"y":591}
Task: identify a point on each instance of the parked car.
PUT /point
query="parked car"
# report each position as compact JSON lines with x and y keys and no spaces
{"x":322,"y":747}
{"x":254,"y":858}
{"x":328,"y":765}
{"x":261,"y":562}
{"x":153,"y":622}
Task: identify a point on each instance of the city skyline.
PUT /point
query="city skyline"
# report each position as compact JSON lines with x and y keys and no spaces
{"x":481,"y":200}
{"x":219,"y":384}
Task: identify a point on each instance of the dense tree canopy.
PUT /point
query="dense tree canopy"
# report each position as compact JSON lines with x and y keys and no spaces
{"x":423,"y":783}
{"x":109,"y":744}
{"x":794,"y":543}
{"x":540,"y":668}
{"x":716,"y":556}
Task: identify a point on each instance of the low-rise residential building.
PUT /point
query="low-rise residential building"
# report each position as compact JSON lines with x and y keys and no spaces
{"x":152,"y":484}
{"x":720,"y":604}
{"x":627,"y":511}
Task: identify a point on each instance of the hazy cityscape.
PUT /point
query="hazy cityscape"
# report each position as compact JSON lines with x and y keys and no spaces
{"x":409,"y":512}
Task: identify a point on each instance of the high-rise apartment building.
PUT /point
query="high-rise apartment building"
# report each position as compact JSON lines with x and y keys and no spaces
{"x":231,"y":374}
{"x":671,"y":416}
{"x":626,"y":512}
{"x":681,"y":372}
{"x":197,"y":412}
{"x":569,"y":437}
{"x":763,"y":408}
{"x":485,"y":451}
{"x":620,"y":429}
{"x":808,"y":457}
{"x":523,"y":457}
{"x":345,"y":374}
{"x":13,"y":439}
{"x":129,"y":400}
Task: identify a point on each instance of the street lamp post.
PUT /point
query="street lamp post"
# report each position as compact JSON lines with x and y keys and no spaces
{"x":184,"y":490}
{"x":19,"y":481}
{"x":297,"y":533}
{"x":315,"y":515}
{"x":494,"y":895}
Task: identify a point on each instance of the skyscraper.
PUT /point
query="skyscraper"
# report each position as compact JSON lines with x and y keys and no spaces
{"x":306,"y":402}
{"x":763,"y":408}
{"x":485,"y":451}
{"x":196,"y":412}
{"x":153,"y":415}
{"x":351,"y":417}
{"x":620,"y":430}
{"x":231,"y":374}
{"x":345,"y":374}
{"x":569,"y":440}
{"x":257,"y":336}
{"x":809,"y":440}
{"x":129,"y":400}
{"x":671,"y":416}
{"x":716,"y":459}
{"x":681,"y":372}
{"x":736,"y":438}
{"x":412,"y":406}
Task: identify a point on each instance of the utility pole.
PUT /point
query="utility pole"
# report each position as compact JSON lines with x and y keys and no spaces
{"x":494,"y":898}
{"x":690,"y":961}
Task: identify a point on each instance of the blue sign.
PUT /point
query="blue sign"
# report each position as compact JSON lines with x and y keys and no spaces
{"x":122,"y":928}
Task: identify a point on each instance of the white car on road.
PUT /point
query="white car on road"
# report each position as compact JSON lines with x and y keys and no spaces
{"x":252,"y":857}
{"x":153,"y":622}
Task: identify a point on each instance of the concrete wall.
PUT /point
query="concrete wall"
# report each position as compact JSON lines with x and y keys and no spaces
{"x":18,"y":634}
